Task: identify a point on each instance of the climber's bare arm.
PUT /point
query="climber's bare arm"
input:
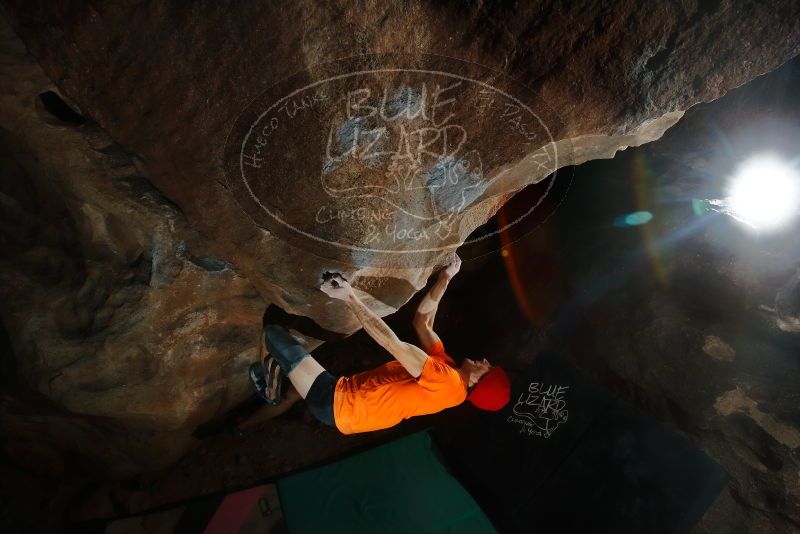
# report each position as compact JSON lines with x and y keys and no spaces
{"x":411,"y":357}
{"x":426,"y":311}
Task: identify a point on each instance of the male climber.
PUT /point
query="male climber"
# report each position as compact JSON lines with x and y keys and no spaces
{"x":419,"y":381}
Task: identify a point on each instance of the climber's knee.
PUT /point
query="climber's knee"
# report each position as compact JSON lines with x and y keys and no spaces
{"x":287,"y":350}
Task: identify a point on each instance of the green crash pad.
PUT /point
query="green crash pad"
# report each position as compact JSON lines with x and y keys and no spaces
{"x":398,"y":487}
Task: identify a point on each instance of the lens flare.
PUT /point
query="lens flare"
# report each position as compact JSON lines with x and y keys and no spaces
{"x":637,"y":218}
{"x":765,"y":193}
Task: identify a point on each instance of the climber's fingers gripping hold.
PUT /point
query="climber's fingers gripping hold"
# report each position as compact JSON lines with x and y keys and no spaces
{"x":337,"y":287}
{"x":453,"y":267}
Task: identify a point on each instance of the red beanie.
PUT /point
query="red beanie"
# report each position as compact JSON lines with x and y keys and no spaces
{"x":492,"y":391}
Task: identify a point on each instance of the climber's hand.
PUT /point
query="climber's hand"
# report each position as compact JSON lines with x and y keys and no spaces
{"x":337,"y":287}
{"x":452,"y":269}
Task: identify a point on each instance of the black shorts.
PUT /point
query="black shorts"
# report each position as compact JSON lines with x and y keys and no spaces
{"x":320,"y":397}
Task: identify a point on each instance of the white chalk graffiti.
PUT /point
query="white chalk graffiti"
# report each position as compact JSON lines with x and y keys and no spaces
{"x":382,"y":152}
{"x":541,"y":409}
{"x":411,"y":134}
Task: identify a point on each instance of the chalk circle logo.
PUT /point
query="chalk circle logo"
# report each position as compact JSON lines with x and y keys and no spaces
{"x":390,"y":158}
{"x":541,"y":409}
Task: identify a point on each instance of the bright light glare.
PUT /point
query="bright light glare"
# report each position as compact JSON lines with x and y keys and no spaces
{"x":765,"y":193}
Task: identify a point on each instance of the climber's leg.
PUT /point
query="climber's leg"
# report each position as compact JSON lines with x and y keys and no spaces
{"x":309,"y":378}
{"x":295,"y":361}
{"x":284,"y":347}
{"x":267,"y":379}
{"x":320,"y":397}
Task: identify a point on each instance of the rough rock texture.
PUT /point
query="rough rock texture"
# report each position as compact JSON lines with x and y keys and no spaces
{"x":109,"y":296}
{"x":167,"y":82}
{"x":134,"y":271}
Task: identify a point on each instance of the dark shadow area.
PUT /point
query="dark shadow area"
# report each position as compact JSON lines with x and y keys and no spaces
{"x":568,"y":456}
{"x":59,"y":109}
{"x":305,"y":325}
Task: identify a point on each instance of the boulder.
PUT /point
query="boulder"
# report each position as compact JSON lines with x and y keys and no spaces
{"x":171,"y":168}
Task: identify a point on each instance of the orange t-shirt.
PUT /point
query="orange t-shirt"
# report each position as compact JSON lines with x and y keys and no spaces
{"x":384,"y":396}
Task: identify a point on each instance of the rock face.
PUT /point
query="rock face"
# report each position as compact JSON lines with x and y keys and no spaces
{"x":142,"y":245}
{"x":111,"y":299}
{"x":168,"y":83}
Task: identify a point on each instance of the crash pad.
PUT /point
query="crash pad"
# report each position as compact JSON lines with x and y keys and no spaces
{"x":402,"y":486}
